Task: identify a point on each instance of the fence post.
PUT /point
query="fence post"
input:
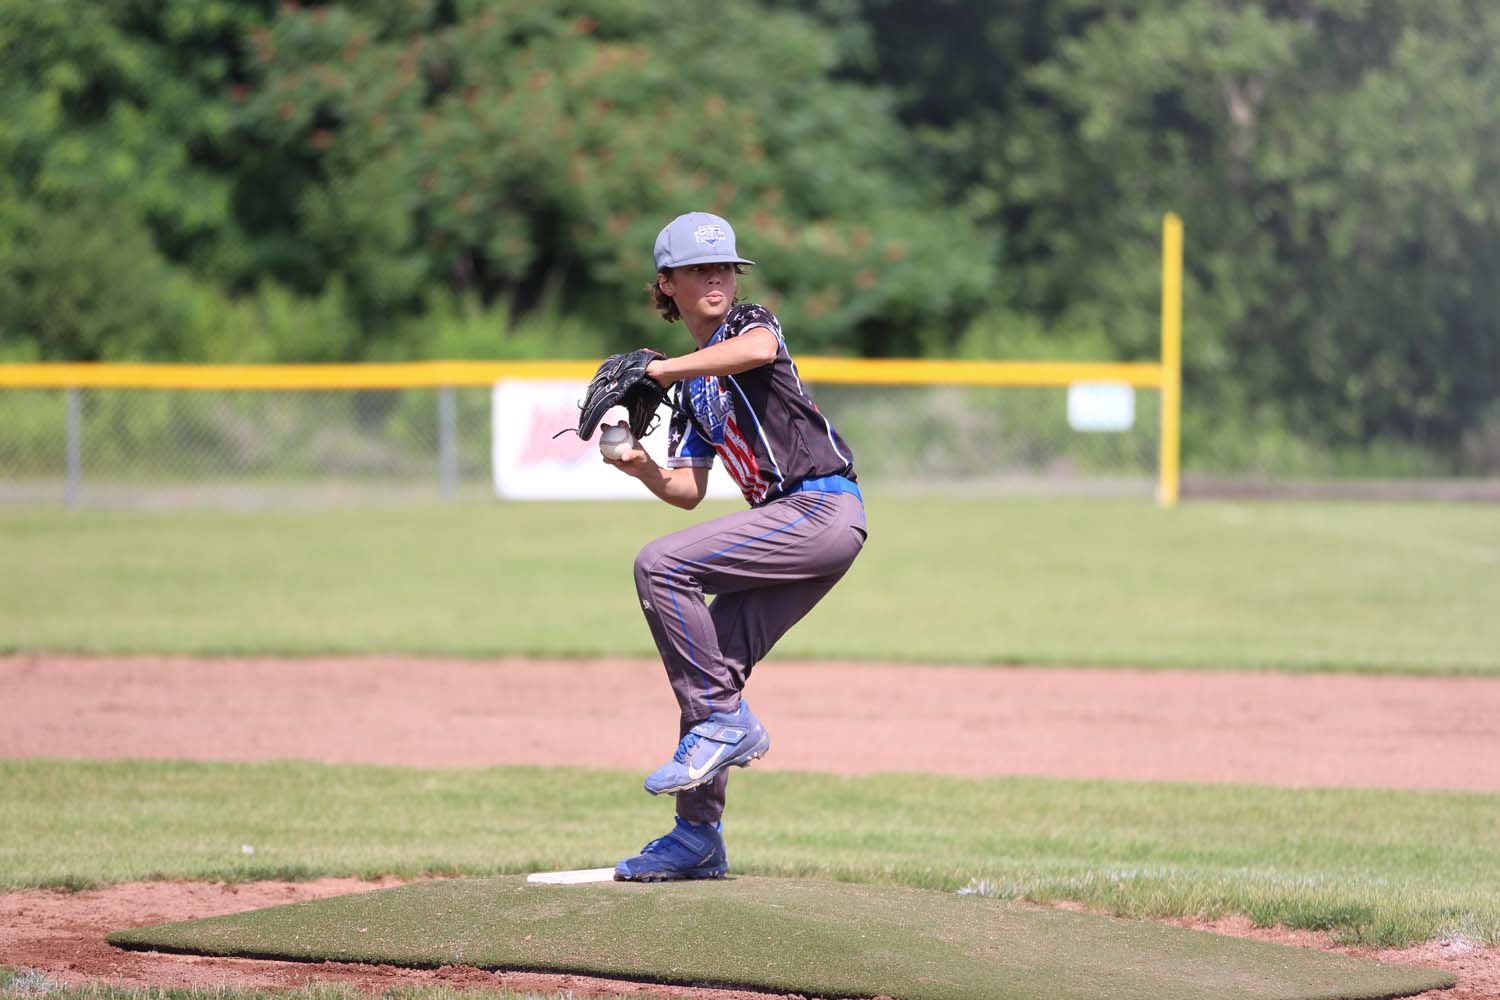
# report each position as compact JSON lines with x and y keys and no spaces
{"x":1171,"y":359}
{"x":447,"y":441}
{"x":74,"y":446}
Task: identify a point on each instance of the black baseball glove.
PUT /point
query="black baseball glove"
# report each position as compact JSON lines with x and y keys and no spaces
{"x":622,"y":381}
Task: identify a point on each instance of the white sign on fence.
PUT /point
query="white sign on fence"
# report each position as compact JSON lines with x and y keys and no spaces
{"x":1101,"y":406}
{"x":528,"y":463}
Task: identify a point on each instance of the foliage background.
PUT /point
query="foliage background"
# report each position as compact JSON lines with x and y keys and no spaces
{"x":232,"y":180}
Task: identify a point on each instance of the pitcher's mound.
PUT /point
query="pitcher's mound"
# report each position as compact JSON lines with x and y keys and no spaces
{"x":788,"y":936}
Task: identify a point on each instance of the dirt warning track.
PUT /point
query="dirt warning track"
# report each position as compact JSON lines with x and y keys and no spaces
{"x":1268,"y":728}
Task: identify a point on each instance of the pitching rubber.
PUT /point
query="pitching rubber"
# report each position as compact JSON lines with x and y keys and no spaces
{"x":579,"y":876}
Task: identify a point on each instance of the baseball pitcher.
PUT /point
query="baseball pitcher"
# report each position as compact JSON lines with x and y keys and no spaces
{"x":737,"y":399}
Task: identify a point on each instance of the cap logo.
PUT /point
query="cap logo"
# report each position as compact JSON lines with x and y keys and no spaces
{"x":710,"y":235}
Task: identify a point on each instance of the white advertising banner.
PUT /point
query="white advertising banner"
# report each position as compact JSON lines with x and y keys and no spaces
{"x":528,"y":463}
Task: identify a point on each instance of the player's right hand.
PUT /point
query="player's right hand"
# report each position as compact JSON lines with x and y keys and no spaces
{"x":631,"y":461}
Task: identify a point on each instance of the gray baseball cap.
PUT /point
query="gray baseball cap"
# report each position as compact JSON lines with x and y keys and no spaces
{"x":696,"y":238}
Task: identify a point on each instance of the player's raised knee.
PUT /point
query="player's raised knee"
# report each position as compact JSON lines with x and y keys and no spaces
{"x":649,"y":562}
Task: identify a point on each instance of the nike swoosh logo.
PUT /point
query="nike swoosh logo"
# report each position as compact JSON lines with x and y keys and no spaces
{"x":694,"y":773}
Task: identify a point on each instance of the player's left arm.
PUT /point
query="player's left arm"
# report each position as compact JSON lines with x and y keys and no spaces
{"x":755,"y":347}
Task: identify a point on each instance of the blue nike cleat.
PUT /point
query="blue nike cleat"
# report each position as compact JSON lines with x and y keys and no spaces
{"x":691,"y":850}
{"x":724,"y":739}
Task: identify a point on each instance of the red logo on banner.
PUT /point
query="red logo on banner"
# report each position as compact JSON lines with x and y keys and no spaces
{"x":541,"y":446}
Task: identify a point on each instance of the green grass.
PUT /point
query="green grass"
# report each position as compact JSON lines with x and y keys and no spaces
{"x":1371,"y":587}
{"x":821,"y":938}
{"x":1379,"y":867}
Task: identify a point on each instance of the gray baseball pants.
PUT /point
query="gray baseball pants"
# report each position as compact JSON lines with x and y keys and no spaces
{"x":766,"y":568}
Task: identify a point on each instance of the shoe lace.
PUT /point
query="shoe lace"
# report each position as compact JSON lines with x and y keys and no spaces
{"x":685,"y":747}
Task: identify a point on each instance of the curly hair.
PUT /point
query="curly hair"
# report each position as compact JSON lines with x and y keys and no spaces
{"x":663,"y":301}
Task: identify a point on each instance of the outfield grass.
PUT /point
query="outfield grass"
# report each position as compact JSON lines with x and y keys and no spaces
{"x":1380,"y":867}
{"x":1373,"y":587}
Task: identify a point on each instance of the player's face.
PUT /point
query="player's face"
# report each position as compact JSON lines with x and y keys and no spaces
{"x":703,"y":292}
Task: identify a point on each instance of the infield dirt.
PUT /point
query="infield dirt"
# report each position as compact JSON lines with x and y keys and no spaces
{"x":1275,"y":729}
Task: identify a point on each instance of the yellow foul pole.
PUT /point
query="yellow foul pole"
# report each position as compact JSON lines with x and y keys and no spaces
{"x":1171,"y":359}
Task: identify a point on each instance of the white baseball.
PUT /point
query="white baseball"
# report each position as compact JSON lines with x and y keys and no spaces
{"x":614,"y":439}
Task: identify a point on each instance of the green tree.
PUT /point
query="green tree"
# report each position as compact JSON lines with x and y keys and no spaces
{"x":124,"y":102}
{"x":1334,"y":160}
{"x":89,"y":285}
{"x":115,"y":144}
{"x":529,"y":153}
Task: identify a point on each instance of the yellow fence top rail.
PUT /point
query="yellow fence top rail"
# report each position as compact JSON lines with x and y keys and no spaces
{"x":426,"y":374}
{"x":904,"y":371}
{"x":404,"y":375}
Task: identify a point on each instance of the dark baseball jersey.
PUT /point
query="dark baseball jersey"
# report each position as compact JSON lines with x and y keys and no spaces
{"x":762,"y":422}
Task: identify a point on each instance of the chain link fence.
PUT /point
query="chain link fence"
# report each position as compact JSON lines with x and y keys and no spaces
{"x":182,"y":448}
{"x":1010,"y":440}
{"x":275,"y":448}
